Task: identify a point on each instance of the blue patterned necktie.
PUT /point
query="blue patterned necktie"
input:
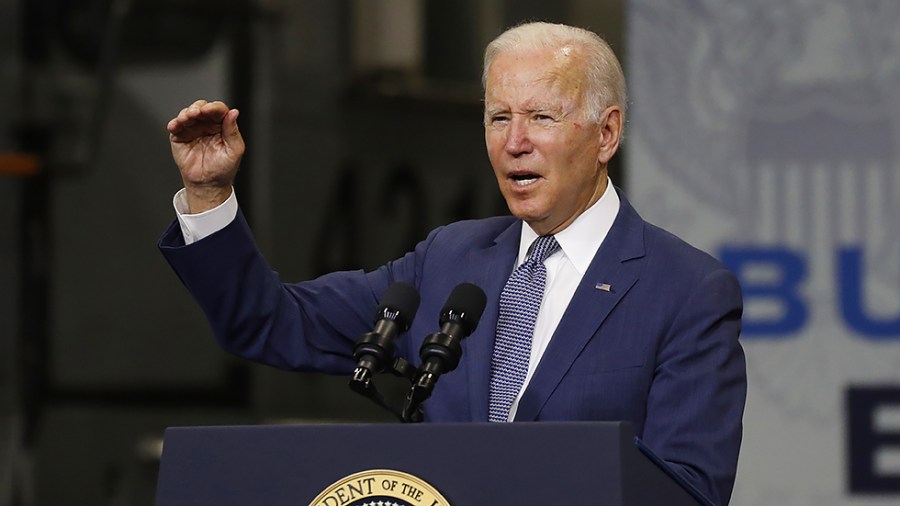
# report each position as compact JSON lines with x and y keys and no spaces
{"x":519,"y":304}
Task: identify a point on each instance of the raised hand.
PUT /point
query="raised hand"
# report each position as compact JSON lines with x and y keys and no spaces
{"x":207,"y":147}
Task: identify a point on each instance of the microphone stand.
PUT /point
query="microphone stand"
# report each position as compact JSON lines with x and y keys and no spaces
{"x":374,"y":350}
{"x":362,"y":382}
{"x":412,"y":408}
{"x":440,"y":353}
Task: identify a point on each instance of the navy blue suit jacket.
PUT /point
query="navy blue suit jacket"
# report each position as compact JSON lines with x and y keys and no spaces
{"x":659,"y":349}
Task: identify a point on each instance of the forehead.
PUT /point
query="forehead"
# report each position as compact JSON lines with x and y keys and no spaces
{"x":536,"y":75}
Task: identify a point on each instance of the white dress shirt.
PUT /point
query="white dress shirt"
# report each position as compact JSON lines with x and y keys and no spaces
{"x":578,"y":243}
{"x":197,"y":226}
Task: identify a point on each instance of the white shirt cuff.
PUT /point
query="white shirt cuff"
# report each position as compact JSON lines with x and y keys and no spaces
{"x":195,"y":227}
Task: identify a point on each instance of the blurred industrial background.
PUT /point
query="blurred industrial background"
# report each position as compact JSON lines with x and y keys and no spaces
{"x":764,"y":131}
{"x":363,"y":122}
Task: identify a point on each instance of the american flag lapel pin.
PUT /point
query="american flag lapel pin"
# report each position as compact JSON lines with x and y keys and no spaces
{"x":603,"y":287}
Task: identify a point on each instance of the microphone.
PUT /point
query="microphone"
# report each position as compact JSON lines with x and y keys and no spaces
{"x":440,"y":352}
{"x":375,"y":350}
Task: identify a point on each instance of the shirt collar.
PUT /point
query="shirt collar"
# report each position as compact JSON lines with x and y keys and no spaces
{"x":580,"y":241}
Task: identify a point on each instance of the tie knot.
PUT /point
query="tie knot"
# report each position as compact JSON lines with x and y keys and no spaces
{"x":543,"y":247}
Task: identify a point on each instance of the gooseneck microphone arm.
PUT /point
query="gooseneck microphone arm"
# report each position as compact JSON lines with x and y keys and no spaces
{"x":374,"y":351}
{"x":441,"y":351}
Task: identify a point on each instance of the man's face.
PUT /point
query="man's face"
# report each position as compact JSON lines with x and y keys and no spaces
{"x":550,"y":161}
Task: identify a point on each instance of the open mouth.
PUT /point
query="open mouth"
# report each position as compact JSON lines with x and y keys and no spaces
{"x":524,"y":178}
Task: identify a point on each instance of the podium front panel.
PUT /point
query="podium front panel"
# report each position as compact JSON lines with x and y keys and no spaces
{"x":469,"y":464}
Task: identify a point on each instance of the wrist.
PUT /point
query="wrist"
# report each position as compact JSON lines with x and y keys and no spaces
{"x":202,"y":198}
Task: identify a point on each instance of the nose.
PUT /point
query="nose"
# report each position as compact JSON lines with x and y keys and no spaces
{"x":518,"y":141}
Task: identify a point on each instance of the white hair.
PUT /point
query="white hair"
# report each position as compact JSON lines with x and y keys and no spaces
{"x":604,"y":79}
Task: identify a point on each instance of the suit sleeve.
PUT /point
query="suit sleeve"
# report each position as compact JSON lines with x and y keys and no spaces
{"x":308,"y":326}
{"x":696,"y":400}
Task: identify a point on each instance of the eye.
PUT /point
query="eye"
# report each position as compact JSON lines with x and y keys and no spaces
{"x":499,"y":119}
{"x":543,"y":118}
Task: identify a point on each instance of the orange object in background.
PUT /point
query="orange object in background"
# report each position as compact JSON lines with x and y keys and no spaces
{"x":19,"y":164}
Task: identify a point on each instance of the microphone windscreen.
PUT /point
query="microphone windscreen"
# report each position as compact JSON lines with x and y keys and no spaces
{"x":464,"y":306}
{"x":399,"y":303}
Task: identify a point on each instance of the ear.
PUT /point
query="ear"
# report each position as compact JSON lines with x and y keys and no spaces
{"x":610,"y":133}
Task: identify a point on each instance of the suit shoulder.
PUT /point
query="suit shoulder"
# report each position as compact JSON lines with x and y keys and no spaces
{"x":678,"y":253}
{"x":474,"y":232}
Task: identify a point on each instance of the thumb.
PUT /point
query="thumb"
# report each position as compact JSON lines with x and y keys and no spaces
{"x":230,"y":130}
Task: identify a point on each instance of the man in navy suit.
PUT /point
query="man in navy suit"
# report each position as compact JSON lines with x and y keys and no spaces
{"x":634,"y":324}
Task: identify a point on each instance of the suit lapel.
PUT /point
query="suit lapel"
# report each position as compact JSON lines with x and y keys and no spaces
{"x":490,"y":268}
{"x":590,"y":305}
